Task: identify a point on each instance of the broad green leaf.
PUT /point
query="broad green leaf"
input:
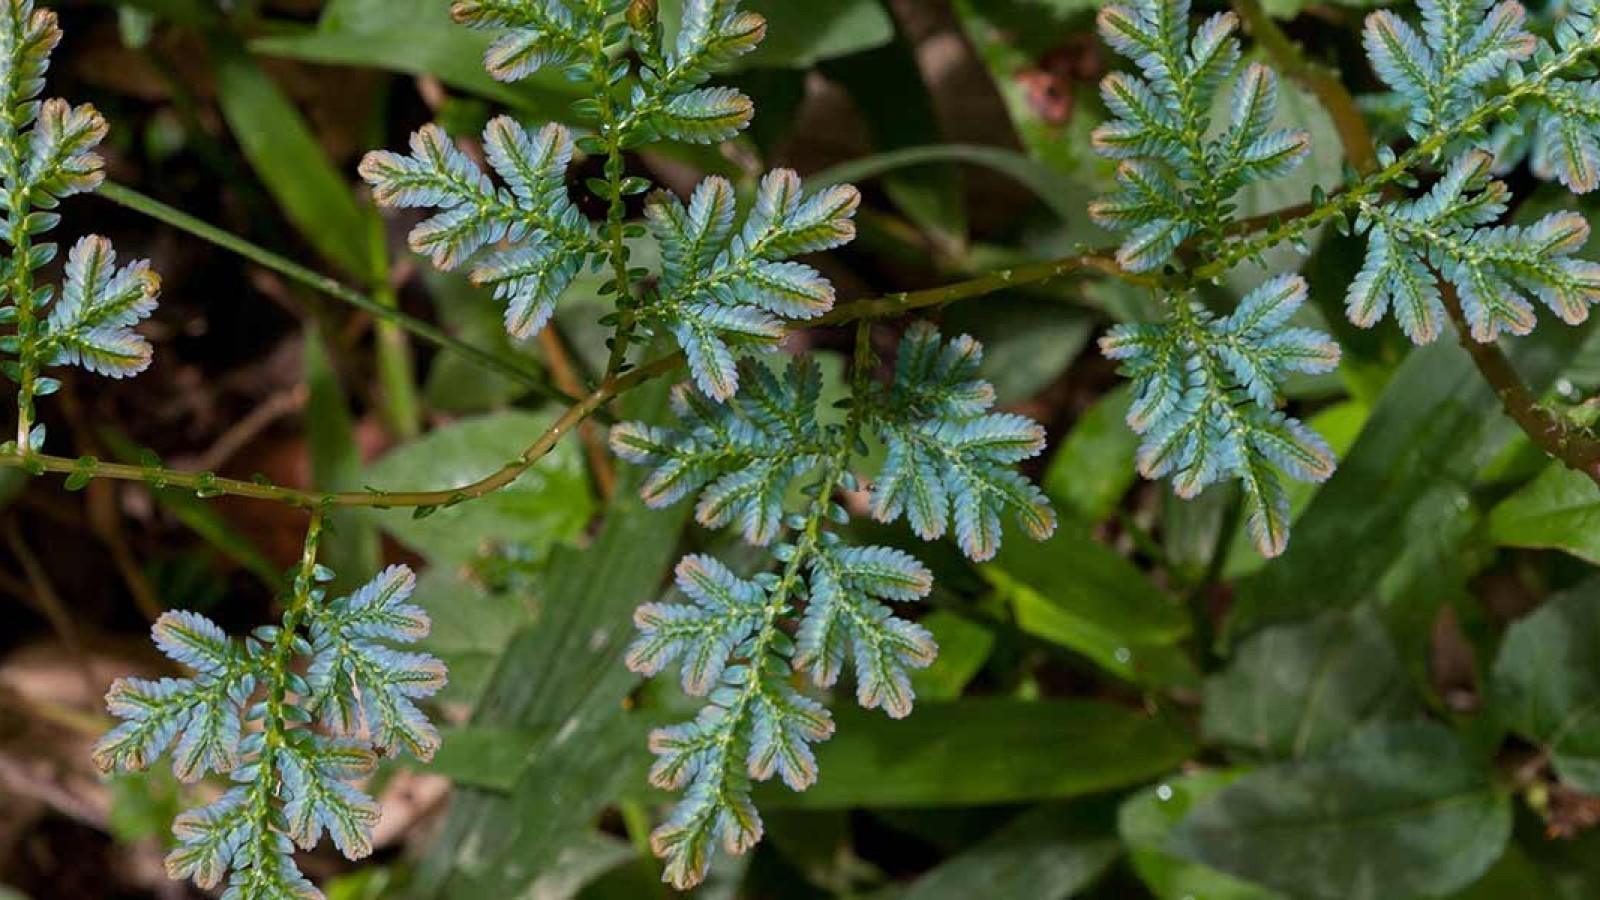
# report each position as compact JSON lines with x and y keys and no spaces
{"x":563,"y":678}
{"x":964,"y":645}
{"x":1340,"y":425}
{"x":1573,"y":866}
{"x":1515,"y":875}
{"x":1397,"y":810}
{"x":548,"y":505}
{"x":1094,"y":466}
{"x":988,"y":750}
{"x":316,"y":198}
{"x":799,"y":35}
{"x":1547,"y":683}
{"x":1145,"y":822}
{"x":1291,"y":690}
{"x":1074,"y":591}
{"x":485,"y":757}
{"x":1404,"y":464}
{"x":418,"y":37}
{"x":460,"y":386}
{"x":1559,"y":510}
{"x":1041,"y":855}
{"x":472,"y":624}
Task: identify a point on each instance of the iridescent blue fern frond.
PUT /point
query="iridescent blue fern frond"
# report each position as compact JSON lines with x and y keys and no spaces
{"x":47,"y":154}
{"x":1473,"y":63}
{"x":829,"y":605}
{"x":246,"y":714}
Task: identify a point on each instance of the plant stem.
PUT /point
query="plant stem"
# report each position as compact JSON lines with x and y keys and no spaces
{"x":207,"y":484}
{"x":535,"y":381}
{"x":1574,"y":446}
{"x":897,"y":304}
{"x":582,"y":409}
{"x":274,"y":722}
{"x":612,"y":131}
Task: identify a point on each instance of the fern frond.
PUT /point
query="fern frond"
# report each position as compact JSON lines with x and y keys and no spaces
{"x":745,"y":457}
{"x":293,"y":784}
{"x":1205,"y":396}
{"x":844,"y":619}
{"x":537,"y":33}
{"x":1493,"y":269}
{"x":742,"y":456}
{"x":92,"y":325}
{"x":1178,"y":172}
{"x":543,"y":240}
{"x":726,"y":287}
{"x":47,"y":153}
{"x":948,"y":459}
{"x":1445,"y":71}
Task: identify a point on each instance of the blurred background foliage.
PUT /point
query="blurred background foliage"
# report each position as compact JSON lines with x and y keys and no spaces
{"x":1400,"y":706}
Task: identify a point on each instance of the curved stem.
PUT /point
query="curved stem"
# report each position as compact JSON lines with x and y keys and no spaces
{"x":1574,"y":446}
{"x":536,"y":381}
{"x":208,"y":484}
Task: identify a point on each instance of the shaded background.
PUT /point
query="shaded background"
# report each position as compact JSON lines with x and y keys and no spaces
{"x":1070,"y":680}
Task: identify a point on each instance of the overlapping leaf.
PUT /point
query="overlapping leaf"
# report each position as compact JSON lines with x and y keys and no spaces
{"x":949,"y":459}
{"x":92,"y":324}
{"x":295,"y":784}
{"x":534,"y":33}
{"x":1493,"y":269}
{"x":741,"y":456}
{"x":47,"y":153}
{"x":667,"y":104}
{"x":365,"y":689}
{"x":755,"y":726}
{"x":725,"y":286}
{"x":1556,"y":127}
{"x":1205,"y":397}
{"x":846,"y":618}
{"x":1448,"y":69}
{"x":539,"y":239}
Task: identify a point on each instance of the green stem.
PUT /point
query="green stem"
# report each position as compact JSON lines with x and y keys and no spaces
{"x":207,"y":484}
{"x":396,"y":372}
{"x":805,"y":545}
{"x":591,"y":405}
{"x":19,"y":286}
{"x":613,"y":132}
{"x":274,"y":723}
{"x":536,"y":381}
